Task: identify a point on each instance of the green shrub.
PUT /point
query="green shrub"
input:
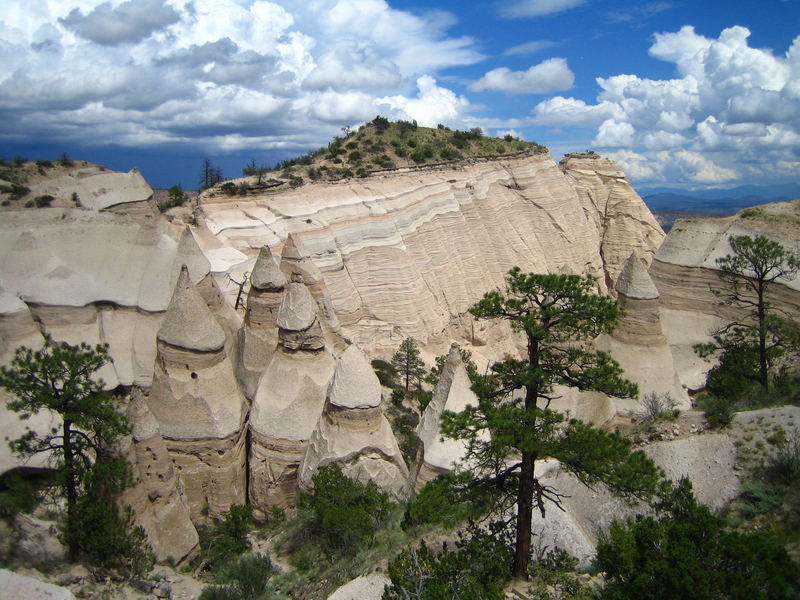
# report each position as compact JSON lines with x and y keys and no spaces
{"x":441,"y":502}
{"x":43,"y":201}
{"x":719,"y":412}
{"x":684,"y":551}
{"x":228,"y":188}
{"x":758,"y":498}
{"x":354,"y":156}
{"x":17,"y":494}
{"x":244,"y":579}
{"x":554,"y":576}
{"x":477,"y":569}
{"x":784,"y":465}
{"x":228,"y":538}
{"x":346,"y":513}
{"x":404,"y":422}
{"x":385,"y":371}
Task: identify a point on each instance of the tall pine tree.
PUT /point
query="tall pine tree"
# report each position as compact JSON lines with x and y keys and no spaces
{"x":513,"y":425}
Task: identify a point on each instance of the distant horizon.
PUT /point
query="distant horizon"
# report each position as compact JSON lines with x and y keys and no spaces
{"x":678,"y":94}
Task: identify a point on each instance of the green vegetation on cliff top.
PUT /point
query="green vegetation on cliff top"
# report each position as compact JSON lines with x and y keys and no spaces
{"x":377,"y":146}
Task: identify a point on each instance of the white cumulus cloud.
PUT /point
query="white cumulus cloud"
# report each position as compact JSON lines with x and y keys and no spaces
{"x":731,"y":110}
{"x":221,"y":74}
{"x":549,"y":75}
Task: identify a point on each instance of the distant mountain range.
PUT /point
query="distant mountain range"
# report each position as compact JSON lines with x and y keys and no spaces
{"x":717,"y":201}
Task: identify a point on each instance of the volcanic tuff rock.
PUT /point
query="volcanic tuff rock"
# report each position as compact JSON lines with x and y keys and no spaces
{"x":288,"y":401}
{"x":405,"y":254}
{"x":707,"y":460}
{"x":258,"y":336}
{"x":98,"y":189}
{"x":298,"y":325}
{"x":452,"y":393}
{"x":156,"y":499}
{"x":353,"y":431}
{"x":14,"y":585}
{"x":685,"y":273}
{"x":638,"y":342}
{"x":198,"y":405}
{"x":295,"y":262}
{"x":624,"y":220}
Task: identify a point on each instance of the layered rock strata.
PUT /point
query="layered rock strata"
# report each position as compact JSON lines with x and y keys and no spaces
{"x":410,"y":252}
{"x":198,"y":405}
{"x":453,"y":393}
{"x":99,"y":278}
{"x":685,"y":273}
{"x":98,"y":189}
{"x":258,"y":336}
{"x":157,"y":501}
{"x":353,"y":432}
{"x":288,"y":401}
{"x":626,"y":223}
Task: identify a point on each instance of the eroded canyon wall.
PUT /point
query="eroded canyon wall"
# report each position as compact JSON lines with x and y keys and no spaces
{"x":406,"y":254}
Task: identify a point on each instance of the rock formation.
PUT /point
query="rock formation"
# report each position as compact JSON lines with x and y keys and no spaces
{"x":288,"y":402}
{"x":296,"y":261}
{"x":410,"y":252}
{"x":198,"y":405}
{"x":258,"y":336}
{"x":99,"y":189}
{"x":353,"y":431}
{"x":625,"y":220}
{"x":157,"y":501}
{"x":638,"y":342}
{"x":685,"y":273}
{"x":452,"y":393}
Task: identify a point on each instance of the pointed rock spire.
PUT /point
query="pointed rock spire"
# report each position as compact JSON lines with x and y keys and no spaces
{"x":295,"y":259}
{"x":634,"y":281}
{"x":188,"y":322}
{"x":190,"y":254}
{"x":354,"y":383}
{"x":266,"y":274}
{"x":298,"y":310}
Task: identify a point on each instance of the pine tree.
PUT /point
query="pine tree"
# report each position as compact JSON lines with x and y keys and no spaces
{"x":751,"y":344}
{"x":60,"y":378}
{"x":508,"y":432}
{"x":407,"y":362}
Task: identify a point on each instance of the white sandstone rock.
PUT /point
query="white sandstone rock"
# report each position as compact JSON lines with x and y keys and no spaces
{"x":360,"y":440}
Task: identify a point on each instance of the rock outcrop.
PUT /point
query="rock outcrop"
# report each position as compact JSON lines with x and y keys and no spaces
{"x":258,"y":337}
{"x":353,"y":431}
{"x":156,"y":499}
{"x":99,"y":189}
{"x":452,"y":393}
{"x":638,"y":342}
{"x":685,"y":273}
{"x":98,"y":278}
{"x":707,"y":460}
{"x":626,"y":223}
{"x":198,"y":405}
{"x":288,"y":401}
{"x":13,"y":585}
{"x":405,"y":254}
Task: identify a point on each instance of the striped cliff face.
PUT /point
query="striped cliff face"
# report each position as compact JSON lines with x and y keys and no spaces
{"x":413,"y":250}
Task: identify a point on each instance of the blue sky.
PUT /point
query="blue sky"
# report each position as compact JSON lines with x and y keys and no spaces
{"x":680,"y":93}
